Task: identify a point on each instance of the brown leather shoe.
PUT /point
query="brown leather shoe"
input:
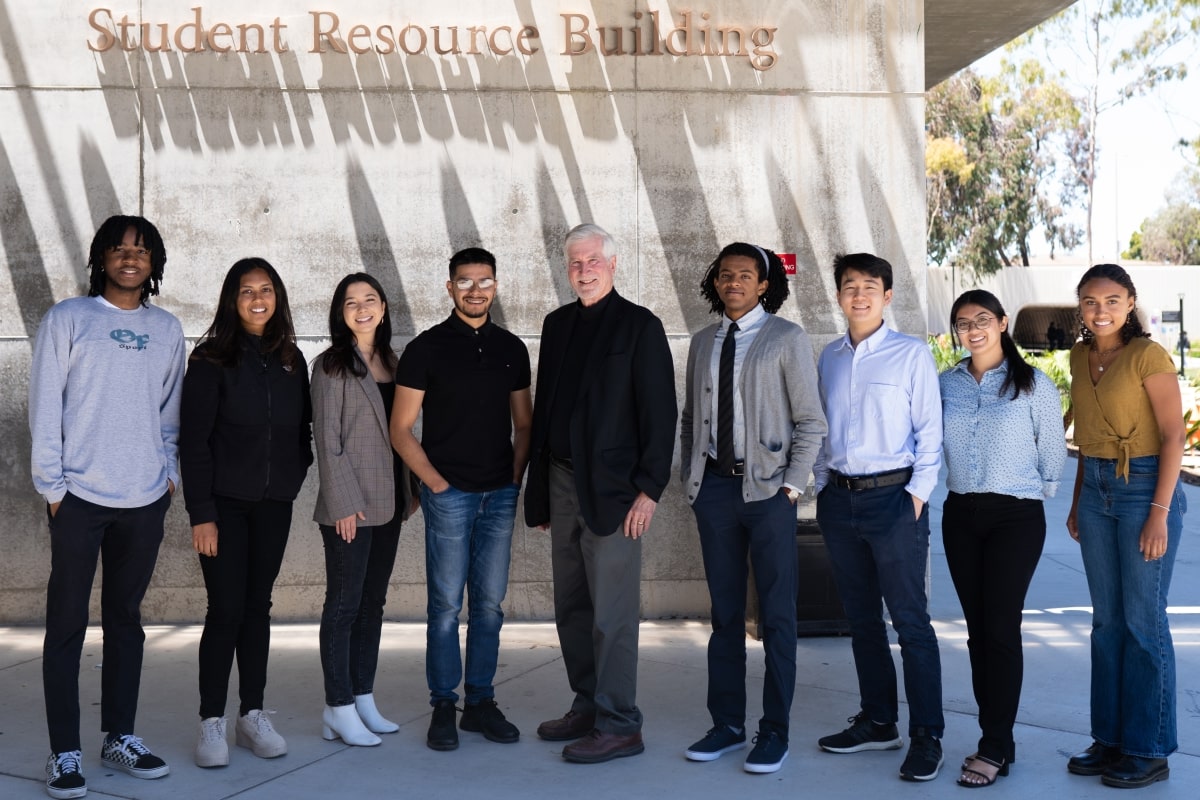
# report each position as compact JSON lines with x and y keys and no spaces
{"x":569,"y":726}
{"x":599,"y":746}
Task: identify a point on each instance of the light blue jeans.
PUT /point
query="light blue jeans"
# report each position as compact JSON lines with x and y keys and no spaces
{"x":1133,"y":659}
{"x":468,"y":541}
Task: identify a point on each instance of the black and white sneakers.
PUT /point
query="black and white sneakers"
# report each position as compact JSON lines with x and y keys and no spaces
{"x":128,"y":753}
{"x":64,"y":779}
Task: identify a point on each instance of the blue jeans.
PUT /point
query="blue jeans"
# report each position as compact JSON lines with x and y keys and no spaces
{"x":1133,"y":659}
{"x":356,"y":582}
{"x":468,"y":541}
{"x":733,"y":532}
{"x":879,"y":553}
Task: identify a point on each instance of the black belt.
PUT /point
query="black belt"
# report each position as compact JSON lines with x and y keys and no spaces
{"x":712,"y":465}
{"x":860,"y":483}
{"x":565,"y":463}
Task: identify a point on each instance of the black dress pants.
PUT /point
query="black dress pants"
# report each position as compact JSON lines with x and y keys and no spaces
{"x":993,"y":543}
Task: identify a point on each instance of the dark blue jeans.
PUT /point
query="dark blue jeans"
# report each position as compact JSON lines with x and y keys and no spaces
{"x":1133,"y":656}
{"x":730,"y":530}
{"x":251,"y":538}
{"x":356,"y":582}
{"x":127,"y":540}
{"x":879,"y":553}
{"x":468,"y":541}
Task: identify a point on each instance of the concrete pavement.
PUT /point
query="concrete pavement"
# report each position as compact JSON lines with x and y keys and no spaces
{"x":531,"y":686}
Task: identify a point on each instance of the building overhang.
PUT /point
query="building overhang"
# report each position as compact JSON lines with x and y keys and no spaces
{"x":958,"y":32}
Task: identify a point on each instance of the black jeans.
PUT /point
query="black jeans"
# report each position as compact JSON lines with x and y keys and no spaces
{"x":127,"y":539}
{"x":356,"y":582}
{"x":251,"y":538}
{"x":993,"y":543}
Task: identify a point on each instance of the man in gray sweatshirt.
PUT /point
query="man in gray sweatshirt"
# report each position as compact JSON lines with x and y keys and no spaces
{"x":104,"y":416}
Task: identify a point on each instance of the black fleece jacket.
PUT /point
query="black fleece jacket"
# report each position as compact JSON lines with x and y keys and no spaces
{"x":245,"y":431}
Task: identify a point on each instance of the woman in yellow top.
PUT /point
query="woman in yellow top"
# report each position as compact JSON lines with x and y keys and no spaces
{"x":1127,"y":515}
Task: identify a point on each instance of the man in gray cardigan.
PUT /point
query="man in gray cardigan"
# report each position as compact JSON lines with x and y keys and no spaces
{"x":752,"y":425}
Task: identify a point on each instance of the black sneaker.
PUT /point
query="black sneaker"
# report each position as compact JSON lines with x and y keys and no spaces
{"x":719,"y":740}
{"x":442,"y":733}
{"x":486,"y":717}
{"x":863,"y":734}
{"x":924,"y":759}
{"x":128,"y":753}
{"x":63,"y":778}
{"x":770,"y":749}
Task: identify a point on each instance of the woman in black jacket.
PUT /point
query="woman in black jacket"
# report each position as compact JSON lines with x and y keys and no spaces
{"x":244,"y":448}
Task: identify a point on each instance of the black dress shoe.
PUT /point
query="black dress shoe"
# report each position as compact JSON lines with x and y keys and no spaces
{"x":1095,"y":760}
{"x":1133,"y":772}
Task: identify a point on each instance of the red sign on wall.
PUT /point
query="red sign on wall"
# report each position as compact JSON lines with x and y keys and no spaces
{"x":789,"y":262}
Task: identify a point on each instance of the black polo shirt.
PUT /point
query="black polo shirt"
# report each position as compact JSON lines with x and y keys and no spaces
{"x":467,"y":375}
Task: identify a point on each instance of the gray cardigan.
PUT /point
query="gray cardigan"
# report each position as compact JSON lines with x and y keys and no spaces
{"x":781,"y":404}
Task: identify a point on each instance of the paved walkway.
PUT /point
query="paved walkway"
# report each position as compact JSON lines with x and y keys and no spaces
{"x":531,"y":686}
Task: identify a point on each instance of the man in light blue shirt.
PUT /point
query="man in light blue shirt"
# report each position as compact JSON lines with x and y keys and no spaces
{"x":874,"y":475}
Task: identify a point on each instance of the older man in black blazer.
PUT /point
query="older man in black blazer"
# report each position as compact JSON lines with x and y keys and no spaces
{"x":603,"y":434}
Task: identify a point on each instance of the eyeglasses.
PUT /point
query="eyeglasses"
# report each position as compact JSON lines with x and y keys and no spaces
{"x":467,"y":284}
{"x":980,"y":323}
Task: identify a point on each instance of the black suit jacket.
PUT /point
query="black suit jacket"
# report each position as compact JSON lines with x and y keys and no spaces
{"x":623,"y":422}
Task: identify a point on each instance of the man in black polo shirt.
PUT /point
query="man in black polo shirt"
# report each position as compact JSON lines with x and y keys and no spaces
{"x":471,"y":378}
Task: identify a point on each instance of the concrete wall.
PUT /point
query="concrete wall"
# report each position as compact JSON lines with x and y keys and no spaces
{"x":326,"y":163}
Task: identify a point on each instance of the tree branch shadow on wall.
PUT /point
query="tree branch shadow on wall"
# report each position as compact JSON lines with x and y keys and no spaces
{"x":374,"y":247}
{"x":27,"y":269}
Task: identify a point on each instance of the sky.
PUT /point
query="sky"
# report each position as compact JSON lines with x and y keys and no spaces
{"x":1139,"y":159}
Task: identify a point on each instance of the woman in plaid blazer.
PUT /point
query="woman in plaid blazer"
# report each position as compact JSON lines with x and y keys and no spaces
{"x":353,"y":384}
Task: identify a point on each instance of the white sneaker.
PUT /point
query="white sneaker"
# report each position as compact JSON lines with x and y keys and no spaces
{"x":211,"y":748}
{"x":255,"y":732}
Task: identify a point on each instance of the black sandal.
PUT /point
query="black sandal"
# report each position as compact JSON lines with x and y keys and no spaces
{"x":1001,"y":771}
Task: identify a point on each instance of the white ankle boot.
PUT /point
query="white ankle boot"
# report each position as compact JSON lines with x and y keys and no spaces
{"x":343,"y":722}
{"x":370,"y":716}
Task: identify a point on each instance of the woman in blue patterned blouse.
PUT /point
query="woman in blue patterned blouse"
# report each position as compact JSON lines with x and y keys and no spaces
{"x":1004,"y":446}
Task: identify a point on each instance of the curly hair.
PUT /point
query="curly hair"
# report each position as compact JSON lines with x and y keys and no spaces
{"x":112,"y":234}
{"x":772,"y":272}
{"x":1132,"y":329}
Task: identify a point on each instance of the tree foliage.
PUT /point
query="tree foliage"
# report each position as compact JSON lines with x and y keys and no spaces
{"x":1125,"y":49}
{"x":1002,"y":157}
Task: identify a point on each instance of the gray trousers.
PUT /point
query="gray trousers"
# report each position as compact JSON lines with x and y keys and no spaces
{"x":597,"y":585}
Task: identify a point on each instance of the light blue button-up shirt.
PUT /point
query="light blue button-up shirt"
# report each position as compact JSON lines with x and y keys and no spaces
{"x":994,"y":443}
{"x":883,"y":407}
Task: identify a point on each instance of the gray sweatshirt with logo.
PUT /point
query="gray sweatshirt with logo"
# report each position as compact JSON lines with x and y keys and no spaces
{"x":104,"y":402}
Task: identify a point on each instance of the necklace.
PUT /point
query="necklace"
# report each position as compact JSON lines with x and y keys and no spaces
{"x":1103,"y":354}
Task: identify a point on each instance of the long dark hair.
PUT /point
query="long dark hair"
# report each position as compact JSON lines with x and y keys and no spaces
{"x":1020,"y":375}
{"x":1132,"y":329}
{"x":341,"y":358}
{"x":772,"y":272}
{"x":222,"y":342}
{"x":112,"y":234}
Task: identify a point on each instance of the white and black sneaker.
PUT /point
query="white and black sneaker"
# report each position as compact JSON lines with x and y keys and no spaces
{"x":127,"y":753}
{"x":63,"y":778}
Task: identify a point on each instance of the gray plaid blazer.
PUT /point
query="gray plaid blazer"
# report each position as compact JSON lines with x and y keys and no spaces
{"x":354,"y":449}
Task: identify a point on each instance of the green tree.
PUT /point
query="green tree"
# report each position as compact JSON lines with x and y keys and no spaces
{"x":1000,"y":160}
{"x":1124,"y":49}
{"x":1172,"y":235}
